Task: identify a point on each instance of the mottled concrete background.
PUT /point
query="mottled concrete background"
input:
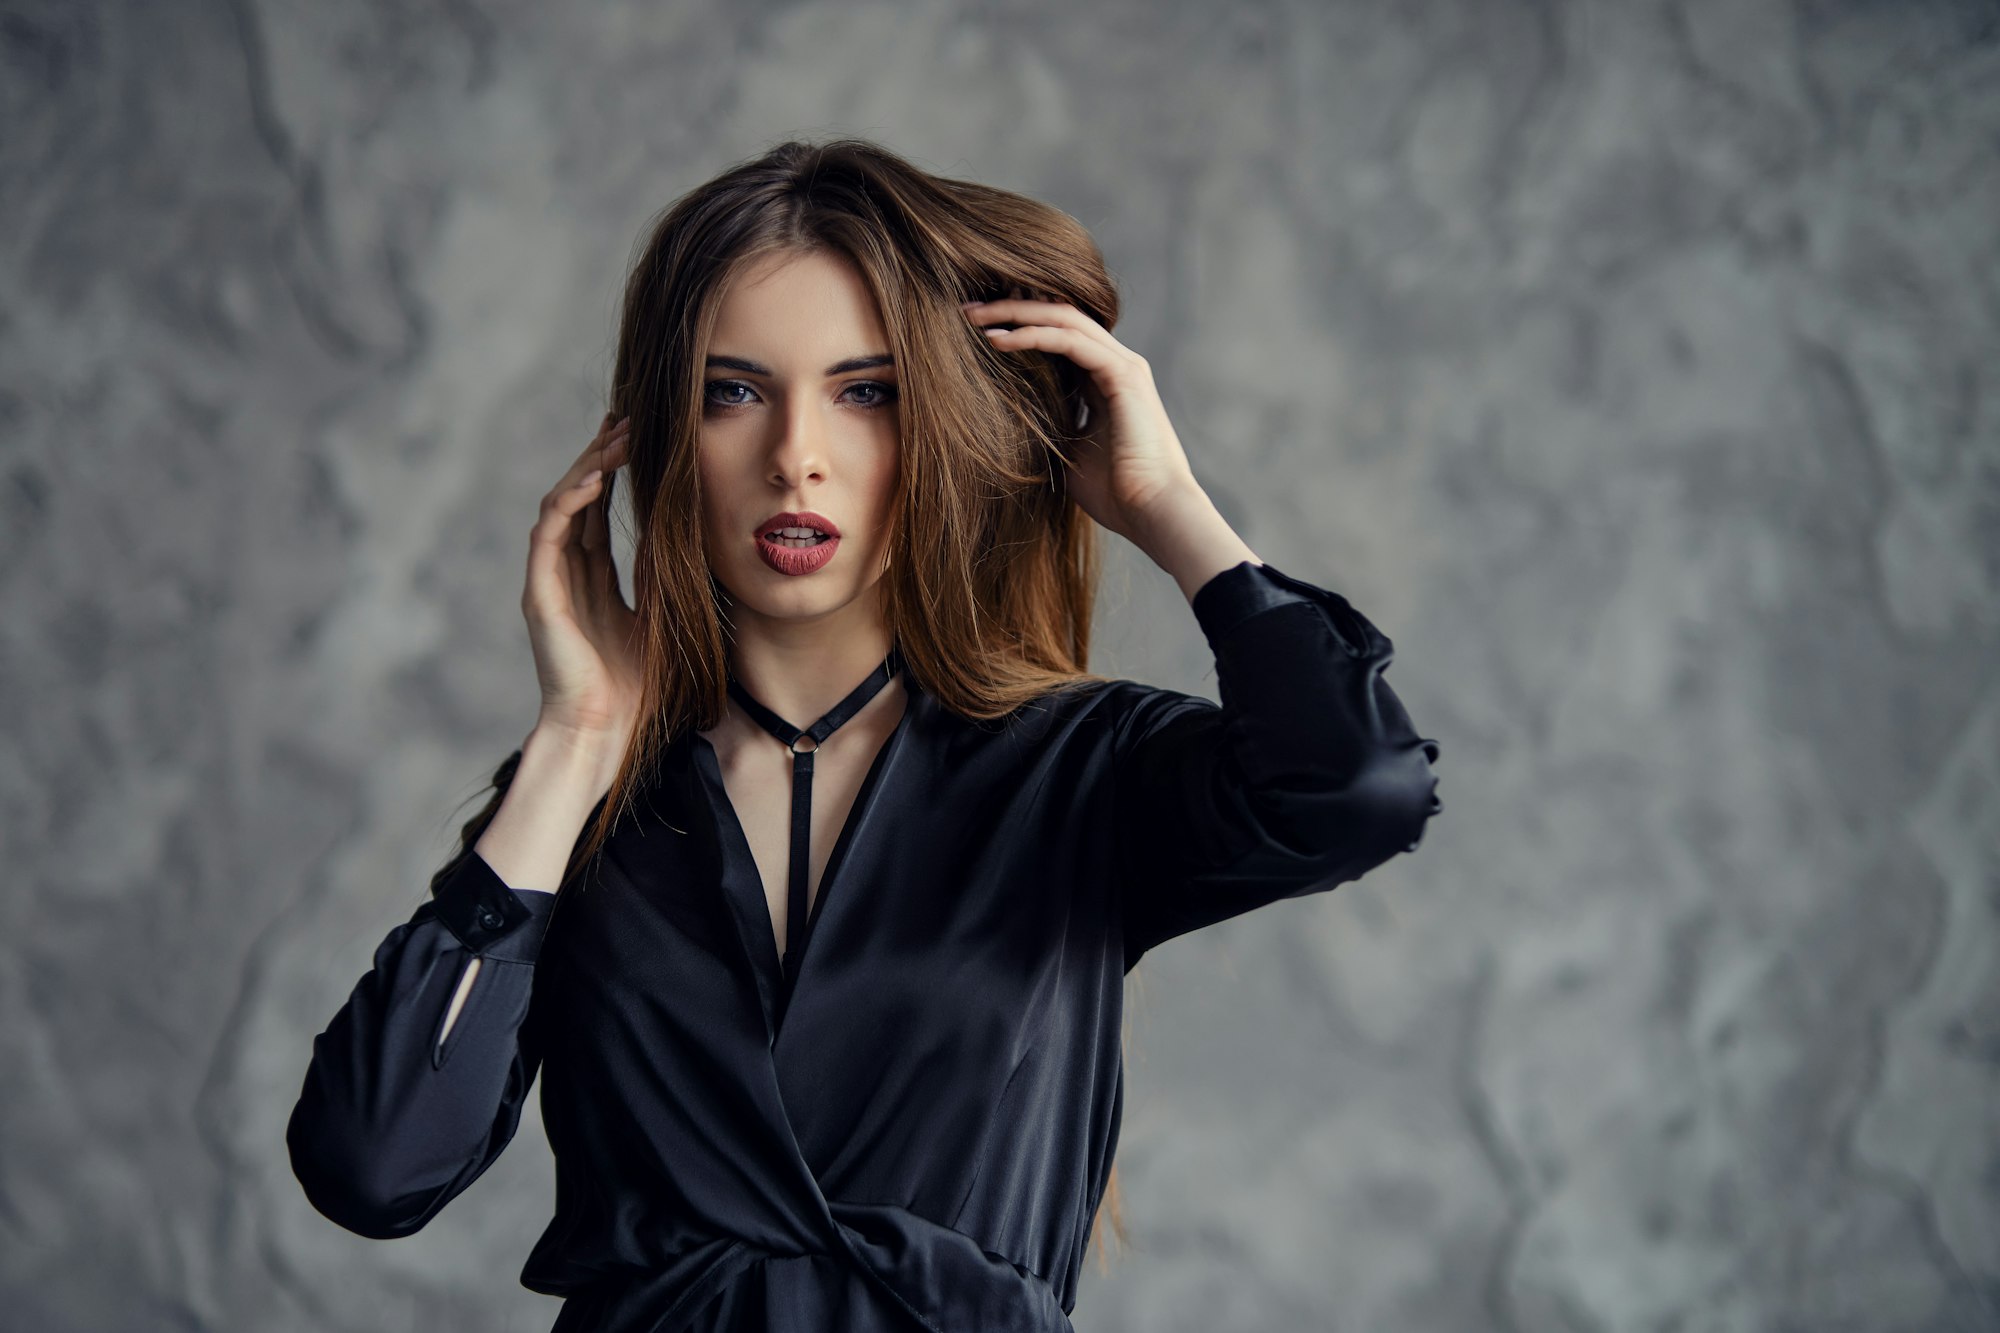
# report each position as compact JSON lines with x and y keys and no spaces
{"x":1633,"y":364}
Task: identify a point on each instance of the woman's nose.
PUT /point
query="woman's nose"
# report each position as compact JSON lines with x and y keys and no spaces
{"x":800,"y":446}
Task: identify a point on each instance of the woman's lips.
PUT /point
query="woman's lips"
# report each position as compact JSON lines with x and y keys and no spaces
{"x":796,"y":559}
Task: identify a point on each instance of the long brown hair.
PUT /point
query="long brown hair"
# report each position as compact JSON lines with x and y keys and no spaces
{"x":992,"y":567}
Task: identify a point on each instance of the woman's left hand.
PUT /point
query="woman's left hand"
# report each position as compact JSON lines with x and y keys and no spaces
{"x":1128,"y":461}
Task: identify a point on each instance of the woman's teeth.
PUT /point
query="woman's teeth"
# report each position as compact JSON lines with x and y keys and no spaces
{"x":796,"y":537}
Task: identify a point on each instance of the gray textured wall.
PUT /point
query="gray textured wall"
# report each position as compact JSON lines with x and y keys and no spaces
{"x":1632,"y":364}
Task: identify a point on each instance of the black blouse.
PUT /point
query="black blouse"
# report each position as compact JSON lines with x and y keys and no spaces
{"x":916,"y":1134}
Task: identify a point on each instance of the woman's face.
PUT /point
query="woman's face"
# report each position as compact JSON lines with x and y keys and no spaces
{"x":798,"y":415}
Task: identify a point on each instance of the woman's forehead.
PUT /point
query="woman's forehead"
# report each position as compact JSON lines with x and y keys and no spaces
{"x":811,"y":310}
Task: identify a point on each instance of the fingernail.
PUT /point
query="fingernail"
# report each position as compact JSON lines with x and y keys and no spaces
{"x":588,"y":477}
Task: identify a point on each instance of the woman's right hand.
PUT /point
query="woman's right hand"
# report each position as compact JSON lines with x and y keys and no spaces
{"x":580,"y":628}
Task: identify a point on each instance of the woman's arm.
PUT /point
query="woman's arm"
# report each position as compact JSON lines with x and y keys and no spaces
{"x":1309,"y":773}
{"x":417,"y":1084}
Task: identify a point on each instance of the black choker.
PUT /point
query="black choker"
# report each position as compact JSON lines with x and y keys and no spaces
{"x":797,"y":920}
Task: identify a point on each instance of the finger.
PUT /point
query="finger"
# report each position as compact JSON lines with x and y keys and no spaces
{"x":590,"y":534}
{"x":551,"y":538}
{"x":595,"y":527}
{"x":591,"y":550}
{"x":616,"y":454}
{"x":600,"y":557}
{"x":610,"y":443}
{"x":585,"y":560}
{"x":1021,"y":310}
{"x":558,"y":533}
{"x":1088,"y":352}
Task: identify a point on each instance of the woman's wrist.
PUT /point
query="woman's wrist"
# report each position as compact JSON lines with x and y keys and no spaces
{"x":1187,"y":536}
{"x":559,"y":781}
{"x":565,"y":759}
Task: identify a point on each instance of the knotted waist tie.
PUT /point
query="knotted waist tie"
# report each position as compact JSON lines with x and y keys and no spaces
{"x":931,"y":1277}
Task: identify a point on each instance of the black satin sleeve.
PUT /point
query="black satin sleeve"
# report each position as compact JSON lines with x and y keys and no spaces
{"x":1306,"y":776}
{"x":392,"y":1124}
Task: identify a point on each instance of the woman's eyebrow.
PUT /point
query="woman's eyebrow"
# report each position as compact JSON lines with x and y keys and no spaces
{"x":750,"y":367}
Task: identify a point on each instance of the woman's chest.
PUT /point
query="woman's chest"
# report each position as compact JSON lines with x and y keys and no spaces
{"x":964,"y":932}
{"x":782,"y":813}
{"x":951,"y":955}
{"x":951,"y":881}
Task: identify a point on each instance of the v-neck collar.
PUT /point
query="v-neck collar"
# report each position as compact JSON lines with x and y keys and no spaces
{"x":742,"y":885}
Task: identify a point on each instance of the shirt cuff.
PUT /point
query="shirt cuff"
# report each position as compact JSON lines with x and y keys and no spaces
{"x":487,"y":916}
{"x":1248,"y":589}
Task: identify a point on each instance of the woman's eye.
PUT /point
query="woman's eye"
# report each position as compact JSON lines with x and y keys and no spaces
{"x":875,"y":393}
{"x":884,"y":394}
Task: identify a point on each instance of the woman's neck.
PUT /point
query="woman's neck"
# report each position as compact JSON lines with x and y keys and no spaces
{"x":800,"y":672}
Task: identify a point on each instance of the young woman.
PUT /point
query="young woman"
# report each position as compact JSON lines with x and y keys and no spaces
{"x":812,"y":892}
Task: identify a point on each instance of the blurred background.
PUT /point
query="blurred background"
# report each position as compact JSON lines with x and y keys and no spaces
{"x":1635,"y":365}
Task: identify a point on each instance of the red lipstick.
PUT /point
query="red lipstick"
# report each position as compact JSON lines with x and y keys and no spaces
{"x":808,"y":547}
